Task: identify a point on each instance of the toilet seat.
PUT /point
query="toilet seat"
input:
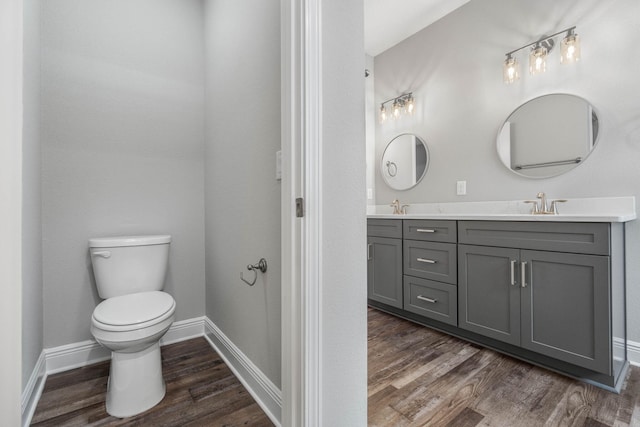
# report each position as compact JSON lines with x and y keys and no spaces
{"x":133,"y":311}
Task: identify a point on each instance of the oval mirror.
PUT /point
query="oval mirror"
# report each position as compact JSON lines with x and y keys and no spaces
{"x":405,"y":161}
{"x":548,"y":135}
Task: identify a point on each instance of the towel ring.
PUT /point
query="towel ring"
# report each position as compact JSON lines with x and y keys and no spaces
{"x":392,"y":166}
{"x":261,"y":265}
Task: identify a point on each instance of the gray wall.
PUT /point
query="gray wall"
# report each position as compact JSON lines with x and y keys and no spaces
{"x":122,"y":141}
{"x":242,"y":195}
{"x":343,"y":222}
{"x":462,"y":103}
{"x":32,"y":325}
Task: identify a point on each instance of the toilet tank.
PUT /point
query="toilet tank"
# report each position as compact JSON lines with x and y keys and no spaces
{"x":129,"y":264}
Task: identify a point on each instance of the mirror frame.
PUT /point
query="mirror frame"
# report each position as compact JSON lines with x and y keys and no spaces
{"x":595,"y":118}
{"x":426,"y":166}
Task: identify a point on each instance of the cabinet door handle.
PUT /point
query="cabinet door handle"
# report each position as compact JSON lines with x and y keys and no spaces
{"x":523,"y":273}
{"x":513,"y":272}
{"x":427,"y":299}
{"x":369,"y":252}
{"x":425,"y":230}
{"x":428,"y":261}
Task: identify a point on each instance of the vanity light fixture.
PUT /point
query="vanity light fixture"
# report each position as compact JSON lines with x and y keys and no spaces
{"x":540,"y":49}
{"x":403,"y":104}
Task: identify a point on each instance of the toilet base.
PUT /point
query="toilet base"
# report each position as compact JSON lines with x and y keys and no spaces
{"x":135,"y":382}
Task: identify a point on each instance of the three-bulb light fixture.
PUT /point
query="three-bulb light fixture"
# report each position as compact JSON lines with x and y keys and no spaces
{"x":570,"y":53}
{"x":403,"y":104}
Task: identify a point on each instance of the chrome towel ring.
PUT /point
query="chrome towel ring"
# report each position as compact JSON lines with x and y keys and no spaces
{"x":392,"y":168}
{"x":261,"y":265}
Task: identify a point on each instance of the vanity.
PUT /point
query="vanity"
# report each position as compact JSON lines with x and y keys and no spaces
{"x":548,"y":289}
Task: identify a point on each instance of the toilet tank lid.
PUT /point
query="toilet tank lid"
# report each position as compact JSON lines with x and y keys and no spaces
{"x":118,"y":241}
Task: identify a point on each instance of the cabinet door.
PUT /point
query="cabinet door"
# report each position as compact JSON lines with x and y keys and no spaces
{"x":565,"y":308}
{"x":384,"y":270}
{"x":489,"y":292}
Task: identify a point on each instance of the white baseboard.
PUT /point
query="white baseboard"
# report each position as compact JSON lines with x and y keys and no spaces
{"x":184,"y":330}
{"x":33,"y":389}
{"x":633,"y":352}
{"x":265,"y":393}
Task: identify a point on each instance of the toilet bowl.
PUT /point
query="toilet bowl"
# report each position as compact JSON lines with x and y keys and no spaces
{"x":130,"y":322}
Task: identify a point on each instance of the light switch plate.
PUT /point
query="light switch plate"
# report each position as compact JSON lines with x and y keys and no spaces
{"x":461,"y":188}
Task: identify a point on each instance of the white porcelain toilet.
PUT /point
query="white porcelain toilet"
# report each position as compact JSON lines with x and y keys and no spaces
{"x":135,"y":314}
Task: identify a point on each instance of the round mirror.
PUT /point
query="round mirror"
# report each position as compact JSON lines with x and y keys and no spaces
{"x":405,"y":161}
{"x":548,"y":136}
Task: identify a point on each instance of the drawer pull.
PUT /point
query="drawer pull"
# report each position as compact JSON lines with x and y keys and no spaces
{"x":513,"y":272}
{"x":428,"y":261}
{"x":425,"y":230}
{"x":427,"y":299}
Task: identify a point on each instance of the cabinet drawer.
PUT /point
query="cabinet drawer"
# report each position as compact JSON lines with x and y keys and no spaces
{"x":384,"y":228}
{"x":431,"y":230}
{"x":430,"y":299}
{"x":431,"y":260}
{"x":575,"y":237}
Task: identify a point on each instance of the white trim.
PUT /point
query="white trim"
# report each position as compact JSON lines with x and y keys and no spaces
{"x":265,"y":393}
{"x":33,"y":389}
{"x":302,"y":249}
{"x":633,"y":352}
{"x":76,"y":355}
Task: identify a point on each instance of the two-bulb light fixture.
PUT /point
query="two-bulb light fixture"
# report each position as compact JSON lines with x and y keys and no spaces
{"x":569,"y":53}
{"x":403,"y":104}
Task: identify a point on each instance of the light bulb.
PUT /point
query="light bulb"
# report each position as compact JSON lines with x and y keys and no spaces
{"x":396,"y":109}
{"x":409,"y":105}
{"x":510,"y":70}
{"x":538,"y":60}
{"x":383,"y":114}
{"x":570,"y":48}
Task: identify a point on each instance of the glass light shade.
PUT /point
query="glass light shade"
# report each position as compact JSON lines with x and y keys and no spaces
{"x":510,"y":70}
{"x":409,"y":105}
{"x":396,"y":109}
{"x":570,"y":46}
{"x":538,"y":60}
{"x":383,"y":114}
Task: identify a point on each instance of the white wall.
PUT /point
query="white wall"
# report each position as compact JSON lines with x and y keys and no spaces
{"x":122,"y":136}
{"x":454,"y":69}
{"x":242,"y":195}
{"x":343,"y":222}
{"x":32,"y":324}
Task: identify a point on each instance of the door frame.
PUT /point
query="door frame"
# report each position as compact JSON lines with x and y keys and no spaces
{"x":301,"y":237}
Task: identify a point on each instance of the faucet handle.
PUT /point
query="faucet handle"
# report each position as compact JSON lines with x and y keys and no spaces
{"x":403,"y":210}
{"x":554,"y":206}
{"x":535,"y":208}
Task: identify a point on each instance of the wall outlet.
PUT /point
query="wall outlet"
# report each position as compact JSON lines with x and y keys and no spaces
{"x":461,"y":188}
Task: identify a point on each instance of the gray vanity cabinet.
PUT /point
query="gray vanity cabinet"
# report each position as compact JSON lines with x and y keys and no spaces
{"x":384,"y":261}
{"x":550,"y":302}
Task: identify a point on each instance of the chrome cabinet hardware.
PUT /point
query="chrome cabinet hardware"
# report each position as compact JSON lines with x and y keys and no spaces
{"x":513,"y":272}
{"x":427,"y":299}
{"x":369,"y":252}
{"x":523,"y":274}
{"x":428,"y":261}
{"x":425,"y":230}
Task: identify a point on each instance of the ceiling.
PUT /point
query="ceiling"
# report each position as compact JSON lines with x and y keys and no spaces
{"x":388,"y":22}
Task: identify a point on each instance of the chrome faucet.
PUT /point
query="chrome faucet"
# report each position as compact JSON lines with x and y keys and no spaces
{"x":540,"y":206}
{"x":396,"y":207}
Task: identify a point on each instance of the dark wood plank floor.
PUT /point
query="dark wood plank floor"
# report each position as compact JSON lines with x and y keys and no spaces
{"x":417,"y":377}
{"x":420,"y":377}
{"x":201,"y":391}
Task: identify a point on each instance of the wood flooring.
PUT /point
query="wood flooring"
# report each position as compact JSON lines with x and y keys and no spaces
{"x":417,"y":377}
{"x":421,"y":377}
{"x":201,"y":391}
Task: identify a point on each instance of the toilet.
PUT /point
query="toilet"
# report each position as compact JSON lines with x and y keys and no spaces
{"x":130,"y":273}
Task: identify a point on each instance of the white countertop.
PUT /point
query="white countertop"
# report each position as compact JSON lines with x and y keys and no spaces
{"x":601,"y":209}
